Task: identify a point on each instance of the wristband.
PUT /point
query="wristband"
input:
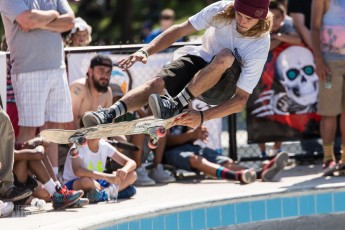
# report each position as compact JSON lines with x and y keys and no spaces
{"x":144,"y":52}
{"x":201,"y":118}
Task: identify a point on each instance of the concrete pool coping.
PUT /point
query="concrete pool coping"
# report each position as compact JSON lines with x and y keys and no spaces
{"x":189,"y":193}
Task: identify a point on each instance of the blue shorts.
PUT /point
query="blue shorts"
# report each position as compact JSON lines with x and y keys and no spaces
{"x":69,"y":184}
{"x":179,"y":156}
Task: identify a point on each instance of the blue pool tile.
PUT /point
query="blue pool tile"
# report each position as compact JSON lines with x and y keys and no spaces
{"x":134,"y":225}
{"x":323,"y":203}
{"x":157,"y":223}
{"x":213,"y":217}
{"x":146,"y":224}
{"x":258,"y":210}
{"x":123,"y":226}
{"x":228,"y":214}
{"x":339,"y":201}
{"x":290,"y":206}
{"x":198,"y":219}
{"x":185,"y":220}
{"x":171,"y":221}
{"x":242,"y":212}
{"x":306,"y":205}
{"x":114,"y":227}
{"x":274,"y":209}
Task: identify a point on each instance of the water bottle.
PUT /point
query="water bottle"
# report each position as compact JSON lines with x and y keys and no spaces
{"x":328,"y":81}
{"x":112,"y":191}
{"x":38,"y":203}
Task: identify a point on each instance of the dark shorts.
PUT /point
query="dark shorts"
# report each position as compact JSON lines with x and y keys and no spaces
{"x":70,"y":183}
{"x":177,"y":74}
{"x":179,"y":156}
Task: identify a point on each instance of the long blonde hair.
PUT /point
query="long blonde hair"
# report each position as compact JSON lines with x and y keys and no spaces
{"x":263,"y":26}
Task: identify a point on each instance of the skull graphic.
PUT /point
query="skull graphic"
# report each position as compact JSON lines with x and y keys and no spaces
{"x":296,"y":72}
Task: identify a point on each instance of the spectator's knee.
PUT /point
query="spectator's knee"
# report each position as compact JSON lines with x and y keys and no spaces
{"x":195,"y":161}
{"x":224,"y":59}
{"x":131,"y":177}
{"x":86,"y":183}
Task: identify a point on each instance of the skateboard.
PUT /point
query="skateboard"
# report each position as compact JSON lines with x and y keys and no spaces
{"x":156,"y":128}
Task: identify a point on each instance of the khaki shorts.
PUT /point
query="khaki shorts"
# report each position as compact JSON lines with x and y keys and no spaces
{"x":42,"y":96}
{"x":331,"y":102}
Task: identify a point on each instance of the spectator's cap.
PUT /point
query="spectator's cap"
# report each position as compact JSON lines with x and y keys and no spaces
{"x":253,"y":8}
{"x":81,"y":25}
{"x":167,"y":14}
{"x":101,"y":60}
{"x":116,"y":90}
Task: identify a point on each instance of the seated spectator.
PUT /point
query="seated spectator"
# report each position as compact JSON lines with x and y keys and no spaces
{"x":93,"y":91}
{"x":6,"y":208}
{"x":31,"y":161}
{"x":85,"y":166}
{"x":166,"y":19}
{"x":157,"y":174}
{"x":8,"y":191}
{"x":183,"y":154}
{"x":282,"y":32}
{"x":80,"y":35}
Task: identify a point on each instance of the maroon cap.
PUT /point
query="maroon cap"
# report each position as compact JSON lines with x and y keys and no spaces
{"x":253,"y":8}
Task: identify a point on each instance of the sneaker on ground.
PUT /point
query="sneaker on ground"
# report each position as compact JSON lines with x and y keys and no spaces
{"x":101,"y":116}
{"x":246,"y":176}
{"x":142,"y":178}
{"x":6,"y":208}
{"x":80,"y":203}
{"x":96,"y":196}
{"x":64,"y":197}
{"x":163,"y":107}
{"x":159,"y":175}
{"x":328,"y":168}
{"x":15,"y":194}
{"x":275,"y":165}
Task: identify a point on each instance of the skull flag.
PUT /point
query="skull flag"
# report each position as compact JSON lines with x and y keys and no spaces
{"x":283,"y":105}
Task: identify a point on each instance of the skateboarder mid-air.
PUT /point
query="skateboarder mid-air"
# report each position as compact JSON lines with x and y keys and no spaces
{"x":223,"y":71}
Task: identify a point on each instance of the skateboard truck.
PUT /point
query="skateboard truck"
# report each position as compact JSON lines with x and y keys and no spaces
{"x":155,"y":134}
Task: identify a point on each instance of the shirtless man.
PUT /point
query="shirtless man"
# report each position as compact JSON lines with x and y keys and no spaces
{"x":93,"y":91}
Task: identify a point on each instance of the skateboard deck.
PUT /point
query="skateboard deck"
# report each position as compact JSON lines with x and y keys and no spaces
{"x":156,"y":128}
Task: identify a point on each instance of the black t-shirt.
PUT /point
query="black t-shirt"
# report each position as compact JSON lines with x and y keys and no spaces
{"x":301,"y":6}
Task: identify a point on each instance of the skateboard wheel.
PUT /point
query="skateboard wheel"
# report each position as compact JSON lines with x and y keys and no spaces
{"x":161,"y":132}
{"x":151,"y":144}
{"x":81,"y":140}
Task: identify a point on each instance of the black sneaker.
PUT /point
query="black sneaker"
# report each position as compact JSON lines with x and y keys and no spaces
{"x":101,"y":116}
{"x":163,"y":107}
{"x":15,"y":194}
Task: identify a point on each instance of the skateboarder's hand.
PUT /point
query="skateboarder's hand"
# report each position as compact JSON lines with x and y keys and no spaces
{"x":191,"y":119}
{"x":126,"y":63}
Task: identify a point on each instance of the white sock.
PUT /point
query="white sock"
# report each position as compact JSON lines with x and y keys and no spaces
{"x":58,"y":183}
{"x":50,"y":186}
{"x":56,"y":171}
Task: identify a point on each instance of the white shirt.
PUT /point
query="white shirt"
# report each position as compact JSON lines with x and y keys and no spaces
{"x":91,"y":160}
{"x":251,"y":52}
